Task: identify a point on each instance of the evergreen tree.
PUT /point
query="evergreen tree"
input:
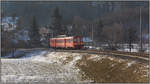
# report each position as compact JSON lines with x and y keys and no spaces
{"x":56,"y":23}
{"x":34,"y":33}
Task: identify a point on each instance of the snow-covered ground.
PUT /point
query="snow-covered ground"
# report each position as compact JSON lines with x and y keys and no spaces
{"x":135,"y":48}
{"x":51,"y":66}
{"x":123,"y":47}
{"x":40,"y":65}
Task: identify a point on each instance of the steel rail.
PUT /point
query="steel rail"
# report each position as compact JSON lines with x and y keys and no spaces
{"x":114,"y":54}
{"x":126,"y":55}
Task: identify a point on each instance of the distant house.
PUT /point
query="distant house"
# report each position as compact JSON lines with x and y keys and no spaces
{"x":9,"y":23}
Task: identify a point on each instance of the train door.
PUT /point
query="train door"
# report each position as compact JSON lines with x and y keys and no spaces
{"x":64,"y":43}
{"x":49,"y":43}
{"x":55,"y":43}
{"x":78,"y":40}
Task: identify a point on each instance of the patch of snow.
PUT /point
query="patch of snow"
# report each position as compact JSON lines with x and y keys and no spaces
{"x":73,"y":62}
{"x":98,"y":48}
{"x":128,"y":50}
{"x":96,"y":57}
{"x":130,"y":63}
{"x":56,"y":57}
{"x":111,"y":58}
{"x":90,"y":47}
{"x":19,"y":78}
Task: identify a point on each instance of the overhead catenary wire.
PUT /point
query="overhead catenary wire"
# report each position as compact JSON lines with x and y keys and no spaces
{"x":76,"y":3}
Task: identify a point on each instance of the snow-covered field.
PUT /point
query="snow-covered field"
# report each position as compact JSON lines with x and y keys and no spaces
{"x":50,"y":66}
{"x":39,"y":66}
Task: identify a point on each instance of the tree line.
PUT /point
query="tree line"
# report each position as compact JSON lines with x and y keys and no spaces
{"x":111,"y":30}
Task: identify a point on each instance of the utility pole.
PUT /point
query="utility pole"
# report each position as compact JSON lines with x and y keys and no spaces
{"x":92,"y":35}
{"x":141,"y":46}
{"x":52,"y":34}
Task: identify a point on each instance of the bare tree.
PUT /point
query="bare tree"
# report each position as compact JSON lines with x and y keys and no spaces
{"x":131,"y":37}
{"x":82,"y":27}
{"x":77,"y":27}
{"x":98,"y":28}
{"x":113,"y":35}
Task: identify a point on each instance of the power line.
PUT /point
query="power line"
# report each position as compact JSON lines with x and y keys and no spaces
{"x":74,"y":3}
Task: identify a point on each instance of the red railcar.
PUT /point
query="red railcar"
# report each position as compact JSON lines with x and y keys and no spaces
{"x":74,"y":42}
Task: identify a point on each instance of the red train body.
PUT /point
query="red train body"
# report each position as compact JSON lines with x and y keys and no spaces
{"x":74,"y":42}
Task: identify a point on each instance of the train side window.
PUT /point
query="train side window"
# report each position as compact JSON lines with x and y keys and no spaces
{"x":60,"y":41}
{"x":71,"y":40}
{"x":68,"y":40}
{"x":57,"y":41}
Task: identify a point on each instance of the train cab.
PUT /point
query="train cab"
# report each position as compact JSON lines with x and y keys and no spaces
{"x":78,"y":42}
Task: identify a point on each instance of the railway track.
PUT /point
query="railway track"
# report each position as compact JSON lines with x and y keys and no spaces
{"x":126,"y":55}
{"x":141,"y":56}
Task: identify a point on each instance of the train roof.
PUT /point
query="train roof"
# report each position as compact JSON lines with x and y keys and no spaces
{"x":64,"y":37}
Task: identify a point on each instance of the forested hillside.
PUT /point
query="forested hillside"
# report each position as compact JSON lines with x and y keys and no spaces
{"x":103,"y":22}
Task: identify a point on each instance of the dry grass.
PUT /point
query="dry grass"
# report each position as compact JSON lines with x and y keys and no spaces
{"x":106,"y":70}
{"x":68,"y":59}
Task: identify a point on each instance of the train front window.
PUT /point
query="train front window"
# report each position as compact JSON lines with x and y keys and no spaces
{"x":75,"y":40}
